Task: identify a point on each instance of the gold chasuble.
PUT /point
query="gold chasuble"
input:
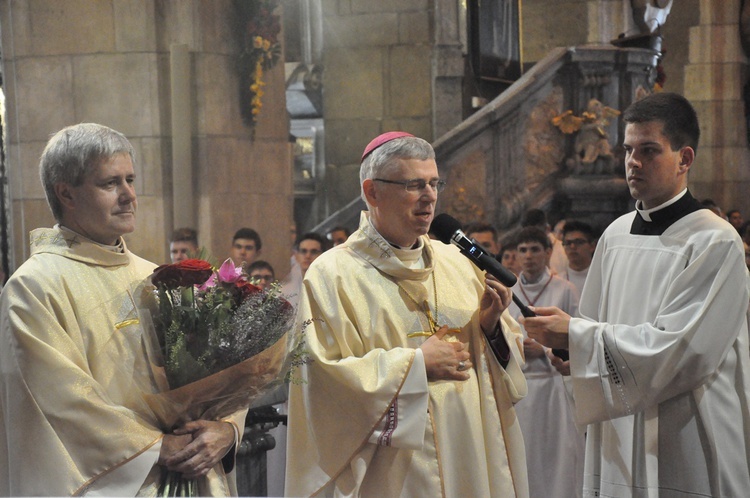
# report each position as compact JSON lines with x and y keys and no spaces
{"x":365,"y":312}
{"x":73,"y":370}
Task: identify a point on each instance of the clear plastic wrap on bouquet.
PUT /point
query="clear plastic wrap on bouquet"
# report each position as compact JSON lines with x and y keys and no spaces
{"x":221,"y":394}
{"x":201,"y":349}
{"x":243,"y":365}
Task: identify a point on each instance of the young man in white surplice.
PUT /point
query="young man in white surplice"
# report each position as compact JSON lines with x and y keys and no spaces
{"x":554,"y":446}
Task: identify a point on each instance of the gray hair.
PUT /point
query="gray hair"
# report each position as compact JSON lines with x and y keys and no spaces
{"x":386,"y":157}
{"x":74,"y":152}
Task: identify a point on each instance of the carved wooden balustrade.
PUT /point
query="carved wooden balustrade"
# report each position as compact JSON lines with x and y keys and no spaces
{"x":509,"y":156}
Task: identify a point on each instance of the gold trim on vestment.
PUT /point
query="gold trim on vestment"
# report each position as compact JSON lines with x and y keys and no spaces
{"x":80,"y":491}
{"x":125,"y":323}
{"x":437,"y":450}
{"x":367,"y":438}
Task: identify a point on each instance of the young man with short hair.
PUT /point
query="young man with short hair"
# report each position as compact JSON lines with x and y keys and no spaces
{"x":183,"y":244}
{"x":579,"y":242}
{"x":261,"y":273}
{"x":307,"y":249}
{"x":659,"y":359}
{"x":554,"y":447}
{"x":246,"y":246}
{"x":338,"y":235}
{"x":485,"y":235}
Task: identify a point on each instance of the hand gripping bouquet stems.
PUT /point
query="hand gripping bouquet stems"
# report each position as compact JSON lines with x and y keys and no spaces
{"x":215,"y":341}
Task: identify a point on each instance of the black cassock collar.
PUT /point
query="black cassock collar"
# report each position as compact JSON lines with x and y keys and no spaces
{"x":664,"y":218}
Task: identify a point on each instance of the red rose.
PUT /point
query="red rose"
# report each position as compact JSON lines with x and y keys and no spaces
{"x":194,"y":265}
{"x":247,"y":289}
{"x":165,"y":275}
{"x":286,"y":306}
{"x":184,"y":273}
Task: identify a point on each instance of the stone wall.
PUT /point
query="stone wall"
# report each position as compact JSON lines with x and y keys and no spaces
{"x":714,"y":79}
{"x":676,"y":44}
{"x":547,"y":24}
{"x":378,"y":77}
{"x":109,"y":62}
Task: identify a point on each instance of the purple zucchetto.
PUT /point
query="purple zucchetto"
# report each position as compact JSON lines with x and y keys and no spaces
{"x":382,"y":139}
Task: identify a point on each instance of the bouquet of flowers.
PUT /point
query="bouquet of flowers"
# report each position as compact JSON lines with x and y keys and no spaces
{"x":216,"y":343}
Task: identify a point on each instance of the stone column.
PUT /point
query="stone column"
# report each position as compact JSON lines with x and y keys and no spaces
{"x":448,"y":66}
{"x":378,"y":60}
{"x":549,"y":24}
{"x":607,"y":19}
{"x":714,"y":79}
{"x":108,"y":62}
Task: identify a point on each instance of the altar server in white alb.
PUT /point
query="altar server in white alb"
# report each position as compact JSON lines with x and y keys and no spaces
{"x":415,"y":365}
{"x":554,"y":445}
{"x":659,"y":357}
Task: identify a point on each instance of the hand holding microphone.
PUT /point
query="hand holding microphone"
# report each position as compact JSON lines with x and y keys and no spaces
{"x":448,"y":230}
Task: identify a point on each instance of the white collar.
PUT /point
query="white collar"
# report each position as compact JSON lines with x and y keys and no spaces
{"x":646,"y":213}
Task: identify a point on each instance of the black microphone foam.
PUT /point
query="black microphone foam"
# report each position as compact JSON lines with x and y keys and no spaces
{"x":448,"y":230}
{"x":444,"y":226}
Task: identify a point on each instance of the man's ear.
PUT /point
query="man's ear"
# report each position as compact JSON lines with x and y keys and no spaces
{"x":64,"y":194}
{"x":687,"y":156}
{"x":368,"y":187}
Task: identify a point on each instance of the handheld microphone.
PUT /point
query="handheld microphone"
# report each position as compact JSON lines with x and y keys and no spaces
{"x":448,"y":230}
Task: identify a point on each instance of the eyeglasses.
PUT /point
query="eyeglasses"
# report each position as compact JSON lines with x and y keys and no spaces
{"x":311,"y":252}
{"x":574,"y":242}
{"x":416,"y":185}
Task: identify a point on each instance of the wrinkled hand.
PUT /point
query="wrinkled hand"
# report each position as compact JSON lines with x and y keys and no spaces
{"x":550,"y":326}
{"x":171,"y":444}
{"x":532,"y":349}
{"x":561,"y":365}
{"x":495,"y":299}
{"x":441,"y":358}
{"x":209,"y":442}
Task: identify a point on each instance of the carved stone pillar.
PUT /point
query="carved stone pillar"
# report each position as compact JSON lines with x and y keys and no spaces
{"x":714,"y":80}
{"x":597,"y":192}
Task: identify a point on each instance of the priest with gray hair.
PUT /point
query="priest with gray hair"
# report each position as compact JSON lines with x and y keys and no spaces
{"x":73,"y":420}
{"x":415,"y":364}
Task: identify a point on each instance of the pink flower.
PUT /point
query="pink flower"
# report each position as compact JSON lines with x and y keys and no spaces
{"x":211,"y":282}
{"x":228,"y":273}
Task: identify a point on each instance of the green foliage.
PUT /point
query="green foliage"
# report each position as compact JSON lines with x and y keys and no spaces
{"x":202,"y":332}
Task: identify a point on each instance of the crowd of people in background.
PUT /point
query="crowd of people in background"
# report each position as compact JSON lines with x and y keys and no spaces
{"x":246,"y":246}
{"x":246,"y":249}
{"x":617,"y":362}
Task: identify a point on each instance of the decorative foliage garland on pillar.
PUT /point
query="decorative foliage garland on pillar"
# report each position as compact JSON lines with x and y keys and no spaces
{"x":260,"y":52}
